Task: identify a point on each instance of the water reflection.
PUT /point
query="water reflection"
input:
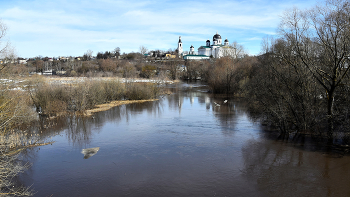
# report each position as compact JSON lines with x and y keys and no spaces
{"x":79,"y":130}
{"x":181,"y":145}
{"x":279,"y":169}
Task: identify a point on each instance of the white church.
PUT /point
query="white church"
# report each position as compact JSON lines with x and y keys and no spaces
{"x":216,"y":49}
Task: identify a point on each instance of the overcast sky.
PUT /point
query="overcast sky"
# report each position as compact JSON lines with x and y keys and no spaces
{"x":71,"y":27}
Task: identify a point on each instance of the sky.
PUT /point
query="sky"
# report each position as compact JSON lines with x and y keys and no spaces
{"x":72,"y":27}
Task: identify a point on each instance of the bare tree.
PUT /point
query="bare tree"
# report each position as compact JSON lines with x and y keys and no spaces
{"x":87,"y":55}
{"x":238,"y":50}
{"x":116,"y":52}
{"x":13,"y":110}
{"x":303,"y":81}
{"x":3,"y":44}
{"x":320,"y":40}
{"x":143,"y":50}
{"x":222,"y":74}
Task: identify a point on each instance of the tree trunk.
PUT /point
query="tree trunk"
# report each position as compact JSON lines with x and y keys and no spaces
{"x":330,"y":118}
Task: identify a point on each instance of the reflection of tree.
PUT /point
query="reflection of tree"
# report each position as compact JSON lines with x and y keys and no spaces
{"x":280,"y":170}
{"x":137,"y":108}
{"x":187,"y":91}
{"x":176,"y":99}
{"x":227,"y":113}
{"x":79,"y":130}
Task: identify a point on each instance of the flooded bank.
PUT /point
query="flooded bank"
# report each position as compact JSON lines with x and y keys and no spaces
{"x":185,"y":144}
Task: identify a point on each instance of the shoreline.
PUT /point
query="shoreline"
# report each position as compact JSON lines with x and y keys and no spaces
{"x":107,"y":106}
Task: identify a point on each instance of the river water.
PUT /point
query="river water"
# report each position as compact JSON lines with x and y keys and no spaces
{"x":182,"y":145}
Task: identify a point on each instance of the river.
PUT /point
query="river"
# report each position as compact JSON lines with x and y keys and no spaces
{"x":182,"y":145}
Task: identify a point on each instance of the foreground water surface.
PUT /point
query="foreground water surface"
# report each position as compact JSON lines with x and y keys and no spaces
{"x":182,"y":145}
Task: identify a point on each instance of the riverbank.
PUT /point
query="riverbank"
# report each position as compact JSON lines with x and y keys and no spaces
{"x":24,"y":99}
{"x":107,"y":106}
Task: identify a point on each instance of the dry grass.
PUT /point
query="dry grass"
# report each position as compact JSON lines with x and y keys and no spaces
{"x":18,"y":149}
{"x":53,"y":78}
{"x":107,"y":106}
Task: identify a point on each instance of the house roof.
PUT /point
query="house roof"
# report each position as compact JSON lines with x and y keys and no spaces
{"x":196,"y":55}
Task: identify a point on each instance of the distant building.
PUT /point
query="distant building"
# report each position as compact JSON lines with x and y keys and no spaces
{"x":21,"y":60}
{"x":169,"y":55}
{"x":195,"y":57}
{"x":63,"y":58}
{"x":179,"y":47}
{"x":48,"y":72}
{"x":216,"y":49}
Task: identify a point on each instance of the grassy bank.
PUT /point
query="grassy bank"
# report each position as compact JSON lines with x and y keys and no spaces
{"x":53,"y":99}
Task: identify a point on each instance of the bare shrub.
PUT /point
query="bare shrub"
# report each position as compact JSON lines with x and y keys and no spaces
{"x":114,"y":90}
{"x":108,"y":65}
{"x":148,"y":71}
{"x":142,"y":91}
{"x":15,"y":69}
{"x":221,"y":76}
{"x":129,"y":71}
{"x":15,"y":109}
{"x":50,"y":99}
{"x":53,"y":99}
{"x":87,"y":68}
{"x":97,"y":92}
{"x":107,"y":74}
{"x":72,"y":73}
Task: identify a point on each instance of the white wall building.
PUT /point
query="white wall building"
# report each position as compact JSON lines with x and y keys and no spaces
{"x":196,"y":57}
{"x":216,"y":49}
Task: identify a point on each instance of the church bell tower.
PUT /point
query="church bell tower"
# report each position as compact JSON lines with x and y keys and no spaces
{"x":179,"y":47}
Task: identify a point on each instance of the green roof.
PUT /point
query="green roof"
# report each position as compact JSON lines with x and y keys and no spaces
{"x":204,"y":47}
{"x":197,"y":55}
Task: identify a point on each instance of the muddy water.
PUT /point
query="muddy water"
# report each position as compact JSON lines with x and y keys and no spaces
{"x":182,"y":145}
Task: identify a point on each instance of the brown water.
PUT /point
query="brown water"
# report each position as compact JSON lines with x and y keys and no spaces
{"x":181,"y":145}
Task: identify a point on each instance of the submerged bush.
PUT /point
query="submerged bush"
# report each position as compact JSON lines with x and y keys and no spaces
{"x":50,"y":99}
{"x":54,"y":99}
{"x":142,"y":91}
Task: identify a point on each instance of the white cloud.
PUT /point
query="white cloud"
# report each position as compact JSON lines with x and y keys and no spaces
{"x":52,"y":28}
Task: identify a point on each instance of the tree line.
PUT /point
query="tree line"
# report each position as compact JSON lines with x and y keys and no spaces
{"x":300,"y":82}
